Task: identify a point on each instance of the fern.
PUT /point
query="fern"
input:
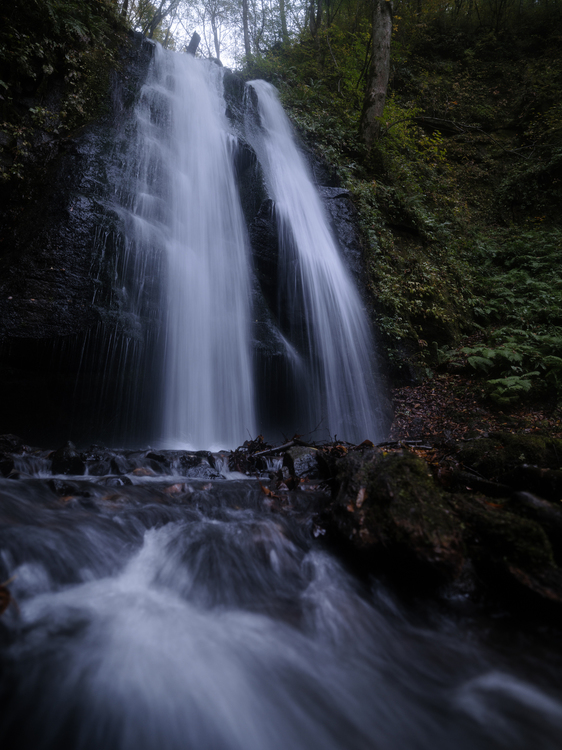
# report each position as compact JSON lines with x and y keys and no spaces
{"x":510,"y":389}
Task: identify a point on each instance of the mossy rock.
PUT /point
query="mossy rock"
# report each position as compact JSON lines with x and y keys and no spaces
{"x":388,"y":515}
{"x":511,"y":555}
{"x":493,"y":533}
{"x":390,"y":510}
{"x":502,"y":452}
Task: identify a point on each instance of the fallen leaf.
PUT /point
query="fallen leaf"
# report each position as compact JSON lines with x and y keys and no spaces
{"x":174,"y":489}
{"x":268,"y":492}
{"x":361,"y":495}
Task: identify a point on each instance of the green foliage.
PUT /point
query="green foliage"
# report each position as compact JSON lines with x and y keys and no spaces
{"x":71,"y":43}
{"x":523,"y":362}
{"x":520,"y":312}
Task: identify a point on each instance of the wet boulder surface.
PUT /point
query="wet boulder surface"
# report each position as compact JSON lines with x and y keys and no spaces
{"x":59,"y":257}
{"x":51,"y":282}
{"x":387,"y":507}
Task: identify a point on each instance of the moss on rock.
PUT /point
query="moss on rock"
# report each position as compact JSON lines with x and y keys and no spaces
{"x":388,"y":511}
{"x":502,"y":452}
{"x":389,"y":507}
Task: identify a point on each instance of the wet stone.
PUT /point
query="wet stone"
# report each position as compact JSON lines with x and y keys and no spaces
{"x":203,"y":471}
{"x":186,"y":461}
{"x":6,"y":465}
{"x":115,"y":481}
{"x":67,"y":460}
{"x":302,"y":462}
{"x":98,"y":468}
{"x":11,"y":444}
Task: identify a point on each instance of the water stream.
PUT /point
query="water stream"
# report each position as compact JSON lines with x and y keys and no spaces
{"x":178,"y":612}
{"x":325,"y":318}
{"x":184,"y":205}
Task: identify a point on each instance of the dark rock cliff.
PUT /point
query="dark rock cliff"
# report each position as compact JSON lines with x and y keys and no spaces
{"x":50,"y":223}
{"x":58,"y":254}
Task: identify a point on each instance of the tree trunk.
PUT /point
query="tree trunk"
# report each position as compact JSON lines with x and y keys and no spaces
{"x":245,"y":24}
{"x":160,"y":14}
{"x":380,"y":70}
{"x":315,"y":11}
{"x":191,"y":49}
{"x":283,"y":18}
{"x":216,"y":36}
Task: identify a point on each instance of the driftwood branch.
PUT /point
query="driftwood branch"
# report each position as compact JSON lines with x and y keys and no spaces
{"x":278,"y":449}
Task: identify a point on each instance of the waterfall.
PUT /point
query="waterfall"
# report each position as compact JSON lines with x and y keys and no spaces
{"x":182,"y":212}
{"x":325,"y":319}
{"x":186,"y":204}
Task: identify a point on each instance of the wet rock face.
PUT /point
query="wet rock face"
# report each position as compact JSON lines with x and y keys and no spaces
{"x":49,"y":223}
{"x":67,"y":460}
{"x":59,"y":245}
{"x":264,"y":238}
{"x":343,"y":217}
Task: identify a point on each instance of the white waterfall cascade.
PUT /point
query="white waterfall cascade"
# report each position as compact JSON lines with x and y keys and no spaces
{"x":187,"y":203}
{"x":182,"y":211}
{"x":327,"y":314}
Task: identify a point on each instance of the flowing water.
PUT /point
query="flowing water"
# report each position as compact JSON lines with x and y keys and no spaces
{"x":189,"y":609}
{"x":188,"y":259}
{"x":177,"y":612}
{"x":325,"y":317}
{"x":185,"y":206}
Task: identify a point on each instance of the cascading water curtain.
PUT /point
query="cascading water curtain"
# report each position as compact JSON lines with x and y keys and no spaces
{"x":187,"y":204}
{"x":326,"y":320}
{"x":183,"y":211}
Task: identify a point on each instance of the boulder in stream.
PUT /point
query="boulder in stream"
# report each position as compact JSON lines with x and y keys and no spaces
{"x":389,"y":515}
